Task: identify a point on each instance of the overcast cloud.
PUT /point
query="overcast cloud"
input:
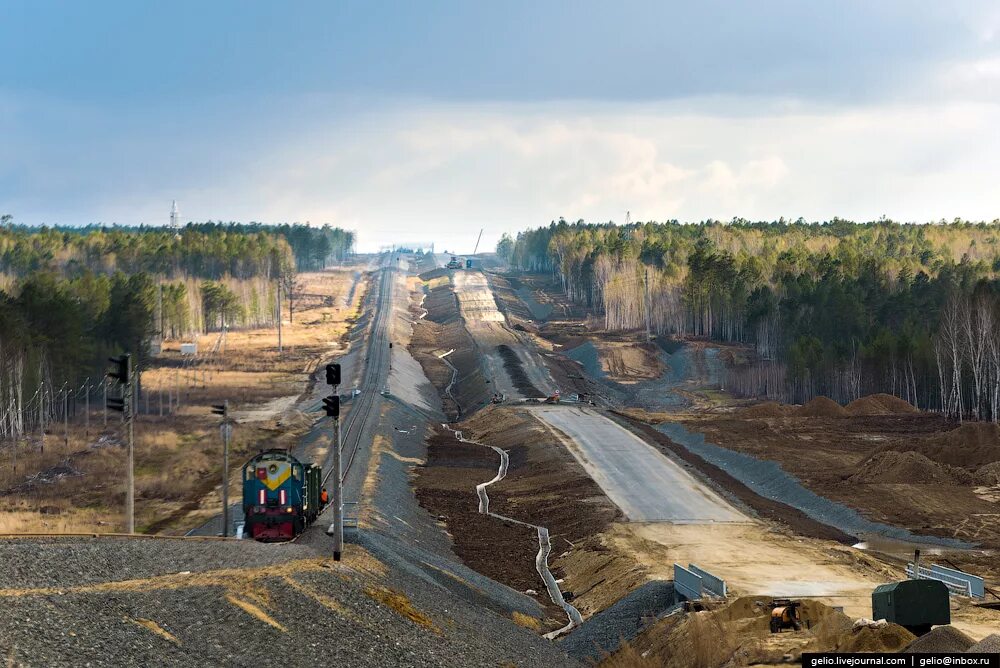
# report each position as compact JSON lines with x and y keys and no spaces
{"x":417,"y":121}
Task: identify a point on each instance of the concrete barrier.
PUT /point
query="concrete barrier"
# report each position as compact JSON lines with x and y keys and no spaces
{"x":713,"y":585}
{"x":687,"y":584}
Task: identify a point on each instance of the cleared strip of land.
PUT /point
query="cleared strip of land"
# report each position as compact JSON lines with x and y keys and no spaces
{"x":647,"y":486}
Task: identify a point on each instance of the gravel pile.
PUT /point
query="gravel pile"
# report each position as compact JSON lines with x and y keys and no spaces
{"x":604,"y":632}
{"x":821,"y":407}
{"x":988,"y":645}
{"x":891,"y":466}
{"x":941,"y":640}
{"x":880,"y":404}
{"x":988,"y":474}
{"x":971,"y":445}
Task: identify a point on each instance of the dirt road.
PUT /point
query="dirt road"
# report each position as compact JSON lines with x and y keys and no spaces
{"x":641,"y":481}
{"x":514,"y":368}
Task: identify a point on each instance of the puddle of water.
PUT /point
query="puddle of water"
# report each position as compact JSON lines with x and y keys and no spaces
{"x":901,"y":549}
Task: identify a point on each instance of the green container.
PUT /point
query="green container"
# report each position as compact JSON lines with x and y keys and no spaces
{"x":914,"y":604}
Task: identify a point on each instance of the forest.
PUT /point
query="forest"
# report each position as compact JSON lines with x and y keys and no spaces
{"x":70,"y":297}
{"x":835,"y":308}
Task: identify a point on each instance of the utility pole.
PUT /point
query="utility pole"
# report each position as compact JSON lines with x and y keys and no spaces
{"x":86,"y":415}
{"x":649,"y":315}
{"x":280,"y":350}
{"x":122,"y":372}
{"x":66,"y":413}
{"x":105,"y":402}
{"x":41,"y":415}
{"x":226,"y":430}
{"x":332,"y":406}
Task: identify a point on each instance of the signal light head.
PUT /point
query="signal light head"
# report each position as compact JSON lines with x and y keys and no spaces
{"x":122,"y":369}
{"x":332,"y":405}
{"x":333,"y":374}
{"x":220,"y":409}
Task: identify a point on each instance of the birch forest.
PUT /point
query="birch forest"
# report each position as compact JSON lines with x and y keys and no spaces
{"x":71,"y":297}
{"x":836,"y":308}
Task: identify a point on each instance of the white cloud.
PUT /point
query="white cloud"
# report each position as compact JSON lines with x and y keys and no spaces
{"x":423,"y":171}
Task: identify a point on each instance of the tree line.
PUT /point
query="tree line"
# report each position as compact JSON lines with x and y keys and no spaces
{"x":837,"y":308}
{"x":209,"y":250}
{"x":70,"y":297}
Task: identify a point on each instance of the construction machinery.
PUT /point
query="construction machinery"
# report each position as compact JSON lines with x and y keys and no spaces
{"x":785,"y":615}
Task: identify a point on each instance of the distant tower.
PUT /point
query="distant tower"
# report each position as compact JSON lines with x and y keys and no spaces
{"x":173,"y":216}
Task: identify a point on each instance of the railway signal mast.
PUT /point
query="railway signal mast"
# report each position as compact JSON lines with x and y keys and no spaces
{"x":122,"y":372}
{"x":332,"y":406}
{"x":226,"y":429}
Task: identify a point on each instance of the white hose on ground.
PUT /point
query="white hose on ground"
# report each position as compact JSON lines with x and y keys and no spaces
{"x":544,"y":545}
{"x":454,"y":377}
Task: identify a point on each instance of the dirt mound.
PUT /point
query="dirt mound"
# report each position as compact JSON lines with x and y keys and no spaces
{"x":768,"y":409}
{"x":988,"y":645}
{"x":880,"y":404}
{"x":911,"y":467}
{"x":970,"y":446}
{"x":988,"y":475}
{"x":821,"y":407}
{"x":883,"y":638}
{"x":943,"y":639}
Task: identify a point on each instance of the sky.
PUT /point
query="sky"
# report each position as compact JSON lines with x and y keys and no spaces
{"x":417,"y":122}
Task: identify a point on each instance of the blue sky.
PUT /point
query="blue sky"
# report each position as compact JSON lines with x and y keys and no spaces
{"x":428,"y":120}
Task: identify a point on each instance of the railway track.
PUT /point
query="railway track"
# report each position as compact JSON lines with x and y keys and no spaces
{"x":373,"y":379}
{"x":372,"y":382}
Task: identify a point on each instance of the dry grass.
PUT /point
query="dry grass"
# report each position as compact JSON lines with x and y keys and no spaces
{"x":70,"y":520}
{"x":401,"y":604}
{"x":527,"y":621}
{"x":255,"y":611}
{"x":150,"y":625}
{"x":179,"y":456}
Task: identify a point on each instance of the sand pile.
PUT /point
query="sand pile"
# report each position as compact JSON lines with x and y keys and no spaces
{"x":911,"y":467}
{"x":821,"y":407}
{"x":880,"y":404}
{"x":970,"y":446}
{"x":988,"y":645}
{"x":988,"y":475}
{"x":768,"y":409}
{"x":941,"y":640}
{"x":883,"y":638}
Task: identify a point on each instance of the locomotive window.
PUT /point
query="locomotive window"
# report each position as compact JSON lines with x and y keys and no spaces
{"x":248,"y":473}
{"x":296,"y":472}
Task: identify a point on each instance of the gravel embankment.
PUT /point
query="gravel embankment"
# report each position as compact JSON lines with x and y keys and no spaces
{"x":771,"y":481}
{"x":230,"y":614}
{"x":603,"y":633}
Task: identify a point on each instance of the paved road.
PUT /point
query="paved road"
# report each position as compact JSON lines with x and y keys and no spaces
{"x":646,"y":485}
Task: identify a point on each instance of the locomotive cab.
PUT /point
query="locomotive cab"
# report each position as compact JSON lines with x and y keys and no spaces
{"x":278,"y":495}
